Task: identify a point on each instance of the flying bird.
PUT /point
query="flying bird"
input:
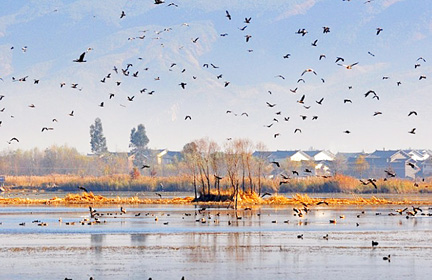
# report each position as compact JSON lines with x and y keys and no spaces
{"x":276,"y":163}
{"x":378,"y":29}
{"x":350,"y":66}
{"x":412,"y":131}
{"x":83,"y":189}
{"x":227,"y":14}
{"x":188,"y":118}
{"x":13,"y":139}
{"x":308,"y":70}
{"x":123,"y":14}
{"x":302,"y":32}
{"x":301,"y":101}
{"x":81,"y":58}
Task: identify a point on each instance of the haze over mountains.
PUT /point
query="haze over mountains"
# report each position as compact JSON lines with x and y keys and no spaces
{"x":175,"y":42}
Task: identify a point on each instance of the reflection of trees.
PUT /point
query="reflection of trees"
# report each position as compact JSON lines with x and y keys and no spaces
{"x":233,"y":246}
{"x":138,"y":239}
{"x":96,"y":242}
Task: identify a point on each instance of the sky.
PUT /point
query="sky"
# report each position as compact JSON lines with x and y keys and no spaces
{"x":171,"y":44}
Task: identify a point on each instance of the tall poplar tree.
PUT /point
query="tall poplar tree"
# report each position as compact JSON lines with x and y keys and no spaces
{"x":138,"y":144}
{"x":97,"y":139}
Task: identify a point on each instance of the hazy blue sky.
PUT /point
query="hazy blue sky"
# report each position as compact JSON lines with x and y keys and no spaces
{"x":57,"y":32}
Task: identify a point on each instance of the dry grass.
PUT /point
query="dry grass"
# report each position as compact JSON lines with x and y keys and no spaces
{"x":244,"y":199}
{"x":123,"y":182}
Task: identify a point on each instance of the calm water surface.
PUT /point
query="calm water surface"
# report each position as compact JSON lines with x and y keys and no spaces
{"x":263,"y":244}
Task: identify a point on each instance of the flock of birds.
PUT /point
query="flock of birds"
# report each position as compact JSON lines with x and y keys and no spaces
{"x":130,"y":70}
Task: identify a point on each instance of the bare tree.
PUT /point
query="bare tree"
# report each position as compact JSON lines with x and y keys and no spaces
{"x":232,"y":163}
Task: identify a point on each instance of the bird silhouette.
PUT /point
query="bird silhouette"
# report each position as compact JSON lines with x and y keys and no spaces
{"x":188,"y":118}
{"x":301,"y":101}
{"x":412,"y":131}
{"x":13,"y":139}
{"x":81,"y":58}
{"x":83,"y":189}
{"x":378,"y":29}
{"x":339,"y":59}
{"x":227,"y":14}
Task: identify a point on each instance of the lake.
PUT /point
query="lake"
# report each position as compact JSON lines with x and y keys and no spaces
{"x":171,"y":241}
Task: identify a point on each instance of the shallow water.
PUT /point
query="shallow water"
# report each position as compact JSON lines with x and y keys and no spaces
{"x":262,"y":244}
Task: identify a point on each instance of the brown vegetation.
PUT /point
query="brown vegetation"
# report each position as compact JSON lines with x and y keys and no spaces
{"x":244,"y":199}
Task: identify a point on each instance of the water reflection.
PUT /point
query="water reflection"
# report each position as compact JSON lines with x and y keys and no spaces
{"x":138,"y":239}
{"x":97,"y":242}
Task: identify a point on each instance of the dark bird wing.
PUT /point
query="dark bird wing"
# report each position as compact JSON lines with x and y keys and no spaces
{"x":81,"y":58}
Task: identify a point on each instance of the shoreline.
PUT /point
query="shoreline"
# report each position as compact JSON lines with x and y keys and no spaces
{"x":244,"y":199}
